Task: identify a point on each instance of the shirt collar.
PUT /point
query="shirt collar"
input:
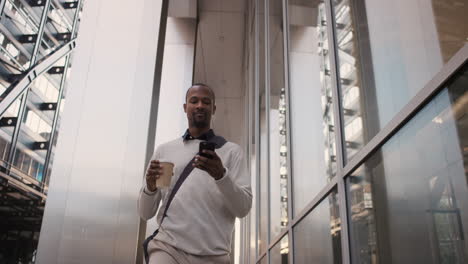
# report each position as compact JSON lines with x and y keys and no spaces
{"x":207,"y":136}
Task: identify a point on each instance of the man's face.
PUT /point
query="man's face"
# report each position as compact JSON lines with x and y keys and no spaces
{"x":199,"y":107}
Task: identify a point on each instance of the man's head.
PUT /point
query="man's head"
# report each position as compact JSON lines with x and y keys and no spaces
{"x":199,"y":105}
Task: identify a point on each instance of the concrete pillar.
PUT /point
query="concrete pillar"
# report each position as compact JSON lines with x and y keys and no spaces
{"x":91,"y":214}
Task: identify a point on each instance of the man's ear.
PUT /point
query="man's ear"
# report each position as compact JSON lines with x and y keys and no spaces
{"x":185,"y":108}
{"x":214,"y":110}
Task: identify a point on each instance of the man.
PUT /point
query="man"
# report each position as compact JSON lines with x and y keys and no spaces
{"x":198,"y":224}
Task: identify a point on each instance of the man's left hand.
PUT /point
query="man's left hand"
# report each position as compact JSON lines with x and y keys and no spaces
{"x":214,"y":165}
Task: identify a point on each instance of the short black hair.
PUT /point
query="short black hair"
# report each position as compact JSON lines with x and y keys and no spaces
{"x":204,"y":85}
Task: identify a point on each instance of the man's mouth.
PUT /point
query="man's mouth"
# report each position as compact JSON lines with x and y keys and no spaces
{"x":200,"y":119}
{"x":200,"y":114}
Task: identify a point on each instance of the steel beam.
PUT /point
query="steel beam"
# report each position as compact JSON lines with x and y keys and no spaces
{"x":25,"y":91}
{"x":22,"y":186}
{"x":59,"y":101}
{"x":21,"y":203}
{"x":24,"y":83}
{"x":267,"y":120}
{"x":40,"y":32}
{"x":2,"y":5}
{"x":290,"y":179}
{"x":54,"y":123}
{"x":153,"y":116}
{"x":257,"y":128}
{"x":339,"y":128}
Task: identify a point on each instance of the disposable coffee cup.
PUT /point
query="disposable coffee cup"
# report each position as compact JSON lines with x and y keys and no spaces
{"x":164,"y":179}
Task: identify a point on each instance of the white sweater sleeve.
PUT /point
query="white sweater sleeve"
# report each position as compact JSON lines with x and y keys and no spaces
{"x":235,"y":185}
{"x":148,"y":202}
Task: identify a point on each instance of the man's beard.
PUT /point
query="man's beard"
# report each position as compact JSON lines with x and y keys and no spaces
{"x":202,"y":123}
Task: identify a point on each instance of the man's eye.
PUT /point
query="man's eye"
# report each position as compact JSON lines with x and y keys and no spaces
{"x":207,"y":102}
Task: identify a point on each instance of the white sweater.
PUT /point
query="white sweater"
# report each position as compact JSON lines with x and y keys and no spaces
{"x":200,"y":219}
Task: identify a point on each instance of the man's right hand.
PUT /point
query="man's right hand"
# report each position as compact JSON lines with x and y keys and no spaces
{"x":152,"y":174}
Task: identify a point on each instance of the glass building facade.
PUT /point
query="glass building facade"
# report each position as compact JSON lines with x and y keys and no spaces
{"x":358,"y":137}
{"x":36,"y":42}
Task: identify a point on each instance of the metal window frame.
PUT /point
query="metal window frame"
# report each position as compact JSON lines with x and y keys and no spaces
{"x":2,"y":6}
{"x":257,"y":129}
{"x":246,"y":223}
{"x":266,"y":39}
{"x":40,"y":32}
{"x":55,"y":122}
{"x":411,"y":108}
{"x":286,"y":69}
{"x":339,"y":135}
{"x":153,"y":113}
{"x":59,"y":100}
{"x":25,"y":91}
{"x":21,"y":90}
{"x":416,"y":103}
{"x":35,"y":72}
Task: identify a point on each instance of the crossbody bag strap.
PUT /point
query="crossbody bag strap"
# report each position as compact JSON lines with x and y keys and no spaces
{"x":219,"y":141}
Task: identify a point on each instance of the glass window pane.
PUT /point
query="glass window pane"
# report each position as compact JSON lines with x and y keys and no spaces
{"x":18,"y":159}
{"x":278,"y":172}
{"x":59,"y":26}
{"x":26,"y":164}
{"x":262,"y":196}
{"x":3,"y":147}
{"x":280,"y":252}
{"x":387,"y":52}
{"x":40,"y":171}
{"x":34,"y":167}
{"x":19,"y":43}
{"x":35,"y":132}
{"x":317,"y":238}
{"x":312,"y":125}
{"x":6,"y":131}
{"x":411,"y":197}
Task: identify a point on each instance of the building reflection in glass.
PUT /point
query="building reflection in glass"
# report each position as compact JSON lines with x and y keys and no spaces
{"x":386,"y":52}
{"x":313,"y":148}
{"x":280,"y":252}
{"x":409,"y":201}
{"x":317,"y":238}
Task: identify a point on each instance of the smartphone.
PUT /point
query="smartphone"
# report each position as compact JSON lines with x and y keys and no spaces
{"x":206,"y":145}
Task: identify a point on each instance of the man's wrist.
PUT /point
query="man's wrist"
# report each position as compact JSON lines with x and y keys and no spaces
{"x":221,"y":175}
{"x":147,"y":191}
